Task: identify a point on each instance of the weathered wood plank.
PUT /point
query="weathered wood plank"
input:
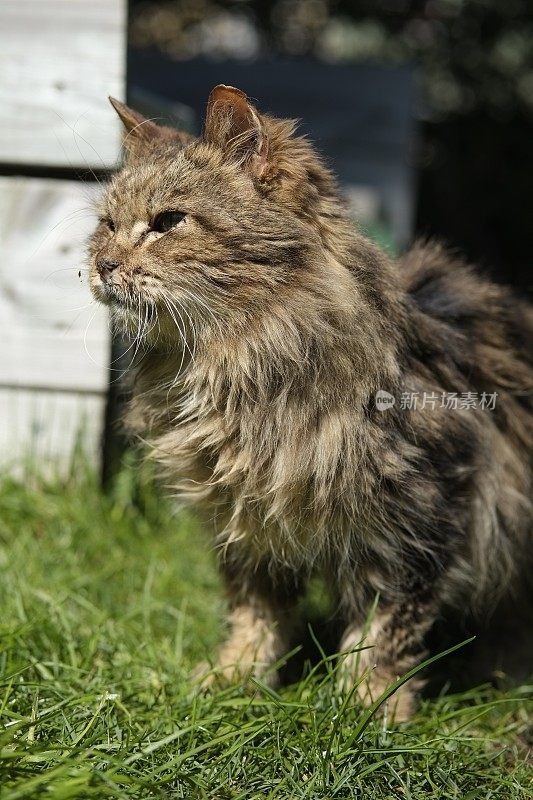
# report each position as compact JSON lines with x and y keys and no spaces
{"x":44,"y":427}
{"x":58,"y":61}
{"x":52,"y":334}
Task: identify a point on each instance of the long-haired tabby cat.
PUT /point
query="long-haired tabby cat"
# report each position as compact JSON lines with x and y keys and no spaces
{"x":269,"y":324}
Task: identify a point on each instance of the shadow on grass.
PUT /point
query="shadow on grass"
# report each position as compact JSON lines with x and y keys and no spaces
{"x":500,"y":655}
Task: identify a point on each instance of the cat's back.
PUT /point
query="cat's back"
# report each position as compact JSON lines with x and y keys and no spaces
{"x":482,"y":327}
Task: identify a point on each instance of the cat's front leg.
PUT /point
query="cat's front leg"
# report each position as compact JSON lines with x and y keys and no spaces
{"x":261,"y":616}
{"x":257,"y":639}
{"x":385,"y":647}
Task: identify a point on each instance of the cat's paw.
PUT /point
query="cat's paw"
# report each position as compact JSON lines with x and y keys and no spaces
{"x":212,"y":677}
{"x":399,"y":707}
{"x":234,"y":668}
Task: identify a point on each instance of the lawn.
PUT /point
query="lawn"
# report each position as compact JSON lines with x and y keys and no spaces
{"x":108,"y":602}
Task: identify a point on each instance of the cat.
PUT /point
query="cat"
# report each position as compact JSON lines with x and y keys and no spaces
{"x":327,"y":408}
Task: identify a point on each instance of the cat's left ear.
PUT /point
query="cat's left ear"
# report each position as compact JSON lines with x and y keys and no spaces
{"x":234,"y":125}
{"x":141,"y":133}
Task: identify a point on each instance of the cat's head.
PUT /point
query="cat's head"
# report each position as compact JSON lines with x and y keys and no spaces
{"x":208,"y":231}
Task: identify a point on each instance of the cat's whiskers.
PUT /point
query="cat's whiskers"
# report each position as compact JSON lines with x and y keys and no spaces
{"x":152,"y":312}
{"x":125,"y":352}
{"x":123,"y":325}
{"x":82,"y":156}
{"x":85,"y":338}
{"x":173,"y":382}
{"x":204,"y":305}
{"x":136,"y":127}
{"x":182,"y":336}
{"x":66,"y":269}
{"x":130,"y":331}
{"x":67,"y":218}
{"x":140,"y":329}
{"x":192,"y":327}
{"x":172,"y":306}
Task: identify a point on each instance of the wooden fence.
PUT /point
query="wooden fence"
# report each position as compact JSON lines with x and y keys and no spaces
{"x":59,"y":59}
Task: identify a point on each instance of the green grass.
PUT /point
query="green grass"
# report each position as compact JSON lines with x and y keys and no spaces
{"x":106,"y":606}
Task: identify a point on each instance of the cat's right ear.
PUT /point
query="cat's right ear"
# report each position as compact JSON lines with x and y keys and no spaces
{"x":142,"y":133}
{"x":234,"y":125}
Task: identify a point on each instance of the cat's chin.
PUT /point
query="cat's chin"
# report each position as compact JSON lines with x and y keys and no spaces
{"x":122,"y":302}
{"x":112,"y":295}
{"x":132,"y":319}
{"x":109,"y":296}
{"x":134,"y":324}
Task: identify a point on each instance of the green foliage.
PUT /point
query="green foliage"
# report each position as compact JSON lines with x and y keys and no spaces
{"x":107,"y":605}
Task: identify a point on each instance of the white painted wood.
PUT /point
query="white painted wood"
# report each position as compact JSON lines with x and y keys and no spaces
{"x":59,"y":59}
{"x":52,"y":334}
{"x":42,"y":429}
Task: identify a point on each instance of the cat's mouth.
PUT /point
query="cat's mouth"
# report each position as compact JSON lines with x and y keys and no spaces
{"x":128,"y":303}
{"x":114,"y":295}
{"x":118,"y":296}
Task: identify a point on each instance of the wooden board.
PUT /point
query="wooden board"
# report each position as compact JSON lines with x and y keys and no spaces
{"x":52,"y":334}
{"x":59,"y":59}
{"x":42,"y":429}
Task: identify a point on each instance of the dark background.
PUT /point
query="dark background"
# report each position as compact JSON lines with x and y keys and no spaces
{"x":465,"y":163}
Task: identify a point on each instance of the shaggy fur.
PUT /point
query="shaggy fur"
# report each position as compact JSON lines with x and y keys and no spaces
{"x":269,"y":323}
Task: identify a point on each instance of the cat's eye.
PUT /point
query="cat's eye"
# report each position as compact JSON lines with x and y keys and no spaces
{"x":108,"y":222}
{"x":167,"y":220}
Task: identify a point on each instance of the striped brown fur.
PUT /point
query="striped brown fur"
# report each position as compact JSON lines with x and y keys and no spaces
{"x":268,"y":323}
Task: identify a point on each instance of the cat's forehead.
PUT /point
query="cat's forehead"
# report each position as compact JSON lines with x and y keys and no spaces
{"x":146,"y":180}
{"x":155,"y":183}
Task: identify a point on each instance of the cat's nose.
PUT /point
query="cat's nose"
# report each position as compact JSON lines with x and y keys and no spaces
{"x":106,"y":266}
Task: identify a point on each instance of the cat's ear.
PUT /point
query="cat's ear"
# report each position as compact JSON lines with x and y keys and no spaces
{"x":141,"y":133}
{"x":234,"y":125}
